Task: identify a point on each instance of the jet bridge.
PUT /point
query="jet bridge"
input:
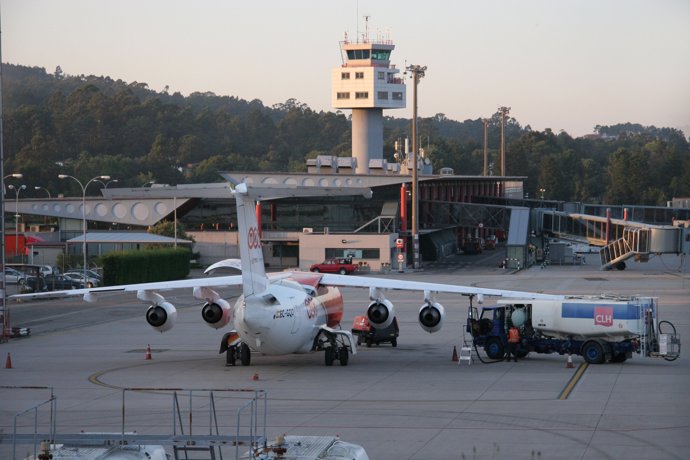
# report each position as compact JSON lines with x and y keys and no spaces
{"x":618,"y":239}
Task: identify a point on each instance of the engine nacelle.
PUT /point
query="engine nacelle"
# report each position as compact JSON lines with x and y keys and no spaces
{"x":161,"y":317}
{"x":380,"y":313}
{"x":431,"y":316}
{"x":217,"y":314}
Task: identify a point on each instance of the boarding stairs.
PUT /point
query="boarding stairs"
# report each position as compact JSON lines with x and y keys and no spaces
{"x":633,"y":243}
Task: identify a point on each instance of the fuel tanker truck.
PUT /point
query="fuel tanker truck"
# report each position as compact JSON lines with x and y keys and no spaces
{"x":601,"y":329}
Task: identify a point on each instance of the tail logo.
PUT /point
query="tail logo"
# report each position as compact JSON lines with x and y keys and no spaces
{"x":253,"y":238}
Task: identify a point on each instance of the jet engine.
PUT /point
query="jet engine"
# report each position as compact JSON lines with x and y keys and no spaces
{"x":431,"y":316}
{"x":161,"y":317}
{"x":380,"y":313}
{"x":217,"y":314}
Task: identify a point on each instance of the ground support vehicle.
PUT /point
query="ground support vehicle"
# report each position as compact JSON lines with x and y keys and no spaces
{"x":368,"y":334}
{"x":341,"y":266}
{"x":601,"y":329}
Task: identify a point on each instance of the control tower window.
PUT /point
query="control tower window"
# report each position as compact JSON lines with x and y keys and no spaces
{"x":380,"y":55}
{"x":358,"y":54}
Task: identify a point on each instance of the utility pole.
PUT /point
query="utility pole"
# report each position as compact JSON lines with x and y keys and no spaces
{"x":486,"y":143}
{"x":504,"y":111}
{"x":417,"y":73}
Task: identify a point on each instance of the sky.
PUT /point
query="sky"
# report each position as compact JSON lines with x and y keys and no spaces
{"x":560,"y":64}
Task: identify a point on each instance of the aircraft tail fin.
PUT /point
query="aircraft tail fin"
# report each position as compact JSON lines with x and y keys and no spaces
{"x":254,"y":279}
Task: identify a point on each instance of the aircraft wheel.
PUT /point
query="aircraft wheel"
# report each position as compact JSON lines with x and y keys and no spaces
{"x":245,"y":355}
{"x":230,"y":356}
{"x":329,"y":354}
{"x":343,"y":355}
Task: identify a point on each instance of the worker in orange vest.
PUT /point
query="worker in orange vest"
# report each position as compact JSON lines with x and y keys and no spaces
{"x":513,"y":341}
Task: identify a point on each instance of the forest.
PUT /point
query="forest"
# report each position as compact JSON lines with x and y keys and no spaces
{"x":87,"y":126}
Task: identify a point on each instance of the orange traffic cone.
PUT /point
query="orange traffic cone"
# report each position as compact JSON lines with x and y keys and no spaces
{"x":8,"y":362}
{"x":569,"y":364}
{"x":255,"y":376}
{"x":148,"y":352}
{"x":455,"y":354}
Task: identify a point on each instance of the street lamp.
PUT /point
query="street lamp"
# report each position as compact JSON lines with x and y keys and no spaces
{"x":151,"y":182}
{"x":83,"y":210}
{"x":105,"y":184}
{"x":43,"y":188}
{"x":418,"y":72}
{"x":15,"y":175}
{"x":16,"y":215}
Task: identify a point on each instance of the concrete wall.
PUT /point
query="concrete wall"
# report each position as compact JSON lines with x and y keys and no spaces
{"x":215,"y":246}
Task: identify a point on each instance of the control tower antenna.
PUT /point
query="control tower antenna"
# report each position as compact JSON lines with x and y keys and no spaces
{"x":365,"y":38}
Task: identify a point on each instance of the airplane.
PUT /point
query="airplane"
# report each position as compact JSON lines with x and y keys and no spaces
{"x":285,"y":312}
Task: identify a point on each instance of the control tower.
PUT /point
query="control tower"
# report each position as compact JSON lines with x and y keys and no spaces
{"x":367,"y":84}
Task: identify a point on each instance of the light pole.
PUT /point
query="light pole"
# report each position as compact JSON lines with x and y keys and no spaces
{"x":105,"y":184}
{"x":83,"y":210}
{"x":5,"y":333}
{"x":16,"y":215}
{"x":504,"y":111}
{"x":417,"y":73}
{"x":43,"y":188}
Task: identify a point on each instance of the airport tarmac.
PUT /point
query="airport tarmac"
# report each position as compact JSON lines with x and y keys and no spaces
{"x":408,"y":402}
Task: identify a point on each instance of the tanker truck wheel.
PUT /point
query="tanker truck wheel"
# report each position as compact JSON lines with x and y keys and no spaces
{"x":593,"y":352}
{"x":494,"y":348}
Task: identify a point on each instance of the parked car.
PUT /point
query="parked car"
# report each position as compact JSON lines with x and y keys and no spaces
{"x":490,"y":242}
{"x":79,"y":276}
{"x":342,"y":266}
{"x":13,"y":276}
{"x":62,"y":283}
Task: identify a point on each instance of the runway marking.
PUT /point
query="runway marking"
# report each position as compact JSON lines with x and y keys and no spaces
{"x":573,"y":381}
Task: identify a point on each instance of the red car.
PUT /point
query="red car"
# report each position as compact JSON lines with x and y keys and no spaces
{"x":342,"y":266}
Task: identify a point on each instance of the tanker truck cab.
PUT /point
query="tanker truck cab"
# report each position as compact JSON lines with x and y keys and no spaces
{"x":600,"y":329}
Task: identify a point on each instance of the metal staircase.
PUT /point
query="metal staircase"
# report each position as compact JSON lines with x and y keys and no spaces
{"x":633,"y":243}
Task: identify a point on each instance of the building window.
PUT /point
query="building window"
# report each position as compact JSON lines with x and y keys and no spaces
{"x":355,"y":253}
{"x":359,"y":75}
{"x":343,"y":95}
{"x":358,"y":54}
{"x":397,"y":96}
{"x":345,"y":75}
{"x":362,"y":95}
{"x":382,"y":75}
{"x":383,"y":95}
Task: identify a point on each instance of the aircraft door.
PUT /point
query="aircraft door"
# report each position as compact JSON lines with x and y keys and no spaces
{"x":296,"y":310}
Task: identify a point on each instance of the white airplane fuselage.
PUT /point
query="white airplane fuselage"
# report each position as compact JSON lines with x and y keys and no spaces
{"x":286,"y":318}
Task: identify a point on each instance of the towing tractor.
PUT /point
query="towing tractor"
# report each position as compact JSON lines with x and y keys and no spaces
{"x":601,"y":329}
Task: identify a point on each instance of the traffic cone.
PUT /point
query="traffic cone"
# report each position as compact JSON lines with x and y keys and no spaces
{"x":255,"y":376}
{"x":569,"y":364}
{"x":8,"y":362}
{"x":455,"y":354}
{"x":148,"y":352}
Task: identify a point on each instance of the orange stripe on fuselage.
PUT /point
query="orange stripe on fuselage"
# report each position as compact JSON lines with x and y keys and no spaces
{"x":328,"y":296}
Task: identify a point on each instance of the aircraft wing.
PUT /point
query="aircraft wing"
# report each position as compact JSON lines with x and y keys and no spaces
{"x":405,"y":285}
{"x":90,"y":294}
